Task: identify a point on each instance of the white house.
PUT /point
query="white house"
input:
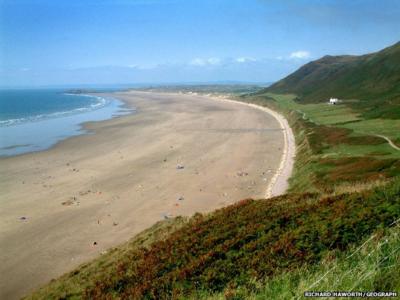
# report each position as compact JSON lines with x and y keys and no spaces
{"x":333,"y":101}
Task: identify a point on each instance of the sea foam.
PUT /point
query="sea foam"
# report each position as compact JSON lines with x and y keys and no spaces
{"x":101,"y":102}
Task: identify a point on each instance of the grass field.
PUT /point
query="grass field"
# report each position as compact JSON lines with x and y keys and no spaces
{"x":335,"y":143}
{"x":387,"y":127}
{"x":342,"y":150}
{"x":340,"y":115}
{"x":319,"y":113}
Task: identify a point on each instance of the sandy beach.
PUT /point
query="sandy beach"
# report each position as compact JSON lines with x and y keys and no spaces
{"x":177,"y":155}
{"x":278,"y":184}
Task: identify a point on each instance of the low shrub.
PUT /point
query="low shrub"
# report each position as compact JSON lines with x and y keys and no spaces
{"x":248,"y":241}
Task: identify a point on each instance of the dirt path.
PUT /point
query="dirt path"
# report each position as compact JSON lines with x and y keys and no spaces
{"x":393,"y":145}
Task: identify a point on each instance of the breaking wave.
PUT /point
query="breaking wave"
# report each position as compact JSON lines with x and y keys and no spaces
{"x":100,"y":103}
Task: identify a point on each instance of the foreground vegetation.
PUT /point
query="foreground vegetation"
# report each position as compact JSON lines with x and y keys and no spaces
{"x":372,"y":266}
{"x":239,"y":249}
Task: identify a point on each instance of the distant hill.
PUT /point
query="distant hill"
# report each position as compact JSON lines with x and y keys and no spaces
{"x":374,"y":77}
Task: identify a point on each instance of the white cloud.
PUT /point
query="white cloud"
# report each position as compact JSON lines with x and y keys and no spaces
{"x":143,"y":67}
{"x":205,"y":61}
{"x":300,"y":54}
{"x":198,"y":62}
{"x":244,"y":59}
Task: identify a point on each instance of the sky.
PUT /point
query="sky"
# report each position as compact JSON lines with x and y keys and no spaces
{"x":74,"y":42}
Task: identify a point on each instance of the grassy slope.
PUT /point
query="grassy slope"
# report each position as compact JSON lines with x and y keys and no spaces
{"x":334,"y":148}
{"x":369,"y":267}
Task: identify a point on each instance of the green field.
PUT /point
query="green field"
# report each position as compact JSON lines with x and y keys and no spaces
{"x":320,"y":113}
{"x":387,"y":127}
{"x":342,"y":150}
{"x":343,"y":116}
{"x":336,"y":145}
{"x":326,"y":114}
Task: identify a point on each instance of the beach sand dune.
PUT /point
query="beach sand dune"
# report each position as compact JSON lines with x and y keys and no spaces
{"x":179,"y":154}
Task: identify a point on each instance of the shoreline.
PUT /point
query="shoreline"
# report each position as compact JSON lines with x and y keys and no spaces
{"x":279,"y":182}
{"x":54,"y":130}
{"x":68,"y":204}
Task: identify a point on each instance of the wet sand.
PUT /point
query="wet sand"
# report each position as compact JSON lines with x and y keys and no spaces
{"x":179,"y":154}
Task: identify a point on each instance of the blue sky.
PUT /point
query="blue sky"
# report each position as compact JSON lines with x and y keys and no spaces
{"x":56,"y":42}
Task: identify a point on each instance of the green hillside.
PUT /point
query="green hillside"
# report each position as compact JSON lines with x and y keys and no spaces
{"x":373,"y":79}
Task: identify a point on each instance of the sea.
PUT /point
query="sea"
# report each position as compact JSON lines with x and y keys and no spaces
{"x":36,"y":119}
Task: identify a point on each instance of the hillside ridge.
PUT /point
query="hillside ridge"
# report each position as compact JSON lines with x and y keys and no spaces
{"x":373,"y":77}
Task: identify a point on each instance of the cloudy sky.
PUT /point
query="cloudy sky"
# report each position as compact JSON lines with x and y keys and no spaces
{"x":47,"y":42}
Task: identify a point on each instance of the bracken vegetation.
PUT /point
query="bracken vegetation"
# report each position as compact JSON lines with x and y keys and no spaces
{"x":240,"y":245}
{"x":371,"y":266}
{"x":247,"y":241}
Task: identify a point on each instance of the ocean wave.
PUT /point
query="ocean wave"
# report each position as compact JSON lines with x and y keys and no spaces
{"x":100,"y":103}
